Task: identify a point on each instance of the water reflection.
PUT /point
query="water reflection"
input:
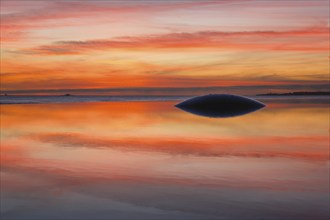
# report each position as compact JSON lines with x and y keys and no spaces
{"x":151,"y":161}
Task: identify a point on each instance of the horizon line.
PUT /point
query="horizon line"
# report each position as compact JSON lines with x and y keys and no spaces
{"x":246,"y":88}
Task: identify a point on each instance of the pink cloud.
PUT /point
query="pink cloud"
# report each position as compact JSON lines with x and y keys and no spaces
{"x":309,"y":39}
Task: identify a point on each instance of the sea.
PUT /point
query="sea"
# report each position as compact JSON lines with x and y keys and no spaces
{"x":133,"y":157}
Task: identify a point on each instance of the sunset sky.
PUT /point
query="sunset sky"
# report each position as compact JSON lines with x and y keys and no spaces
{"x":164,"y":47}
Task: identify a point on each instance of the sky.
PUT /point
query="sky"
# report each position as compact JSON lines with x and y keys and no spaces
{"x":164,"y":47}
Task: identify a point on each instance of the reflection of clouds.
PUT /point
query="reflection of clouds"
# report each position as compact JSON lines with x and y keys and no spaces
{"x":152,"y":199}
{"x":263,"y":147}
{"x":90,"y":166}
{"x":160,"y":119}
{"x":161,"y":164}
{"x":162,"y":188}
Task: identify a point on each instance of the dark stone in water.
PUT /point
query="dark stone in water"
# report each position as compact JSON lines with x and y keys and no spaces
{"x":220,"y":105}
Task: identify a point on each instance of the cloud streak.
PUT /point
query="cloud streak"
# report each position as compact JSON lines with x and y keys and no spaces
{"x":240,"y":89}
{"x":314,"y":39}
{"x":28,"y":16}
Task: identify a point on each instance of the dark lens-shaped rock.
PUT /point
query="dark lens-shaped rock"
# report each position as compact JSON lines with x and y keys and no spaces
{"x":220,"y":105}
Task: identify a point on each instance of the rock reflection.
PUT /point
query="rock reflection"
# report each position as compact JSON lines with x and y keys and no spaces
{"x":220,"y":105}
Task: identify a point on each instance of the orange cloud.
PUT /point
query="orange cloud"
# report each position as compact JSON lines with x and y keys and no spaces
{"x":47,"y":75}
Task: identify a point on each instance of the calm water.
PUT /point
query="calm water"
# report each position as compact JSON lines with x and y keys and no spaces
{"x":149,"y":160}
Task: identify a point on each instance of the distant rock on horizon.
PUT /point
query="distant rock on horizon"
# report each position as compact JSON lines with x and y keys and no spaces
{"x":295,"y":93}
{"x":220,"y":105}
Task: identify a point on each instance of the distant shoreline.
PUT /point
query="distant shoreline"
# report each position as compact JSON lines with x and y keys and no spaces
{"x":155,"y":96}
{"x":43,"y":99}
{"x":294,"y":94}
